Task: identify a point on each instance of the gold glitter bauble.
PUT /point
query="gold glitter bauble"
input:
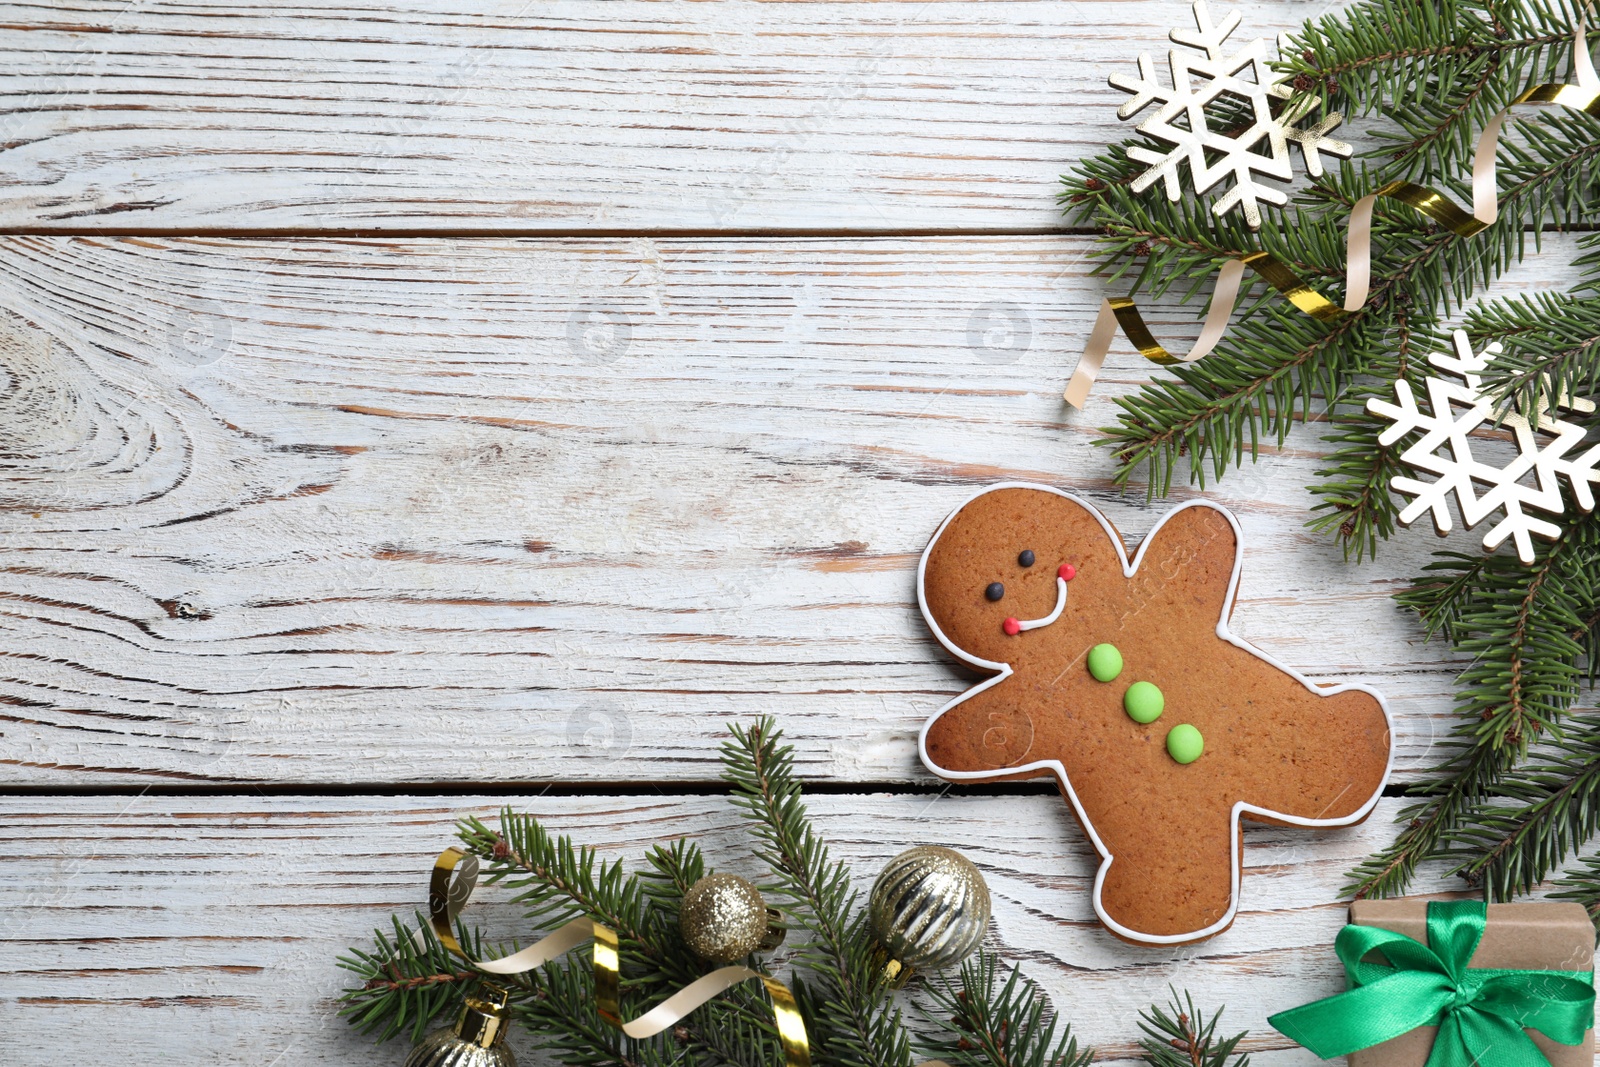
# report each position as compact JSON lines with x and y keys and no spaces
{"x":723,"y":918}
{"x":476,"y":1040}
{"x":929,"y":908}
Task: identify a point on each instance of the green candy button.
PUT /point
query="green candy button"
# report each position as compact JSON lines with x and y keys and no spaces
{"x":1143,"y":702}
{"x":1105,"y":662}
{"x":1184,"y":743}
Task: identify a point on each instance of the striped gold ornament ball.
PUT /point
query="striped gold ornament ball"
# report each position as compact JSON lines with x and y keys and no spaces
{"x":476,"y":1040}
{"x":929,"y":908}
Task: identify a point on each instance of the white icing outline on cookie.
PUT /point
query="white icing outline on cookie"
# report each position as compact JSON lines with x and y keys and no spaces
{"x":1061,"y":605}
{"x":1240,"y":808}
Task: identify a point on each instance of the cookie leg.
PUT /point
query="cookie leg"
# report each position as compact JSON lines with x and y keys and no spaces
{"x":1172,"y":877}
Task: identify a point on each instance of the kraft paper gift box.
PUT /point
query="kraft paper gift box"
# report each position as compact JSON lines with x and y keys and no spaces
{"x":1555,"y":937}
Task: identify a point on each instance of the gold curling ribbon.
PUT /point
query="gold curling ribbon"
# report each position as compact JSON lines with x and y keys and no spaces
{"x":1584,"y":96}
{"x":447,"y":896}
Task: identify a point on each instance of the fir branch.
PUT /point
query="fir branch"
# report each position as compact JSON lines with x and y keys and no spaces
{"x":1439,"y":70}
{"x":1169,"y":242}
{"x":736,"y":1028}
{"x":561,"y":1018}
{"x":1353,"y":498}
{"x":409,"y":983}
{"x":1274,"y":364}
{"x":1587,"y":636}
{"x":406,"y":980}
{"x":557,"y":880}
{"x":846,"y":1003}
{"x":1582,"y":884}
{"x":1456,"y":788}
{"x":1551,"y":345}
{"x":1185,"y":1038}
{"x":1531,"y":635}
{"x":1278,"y":366}
{"x":986,"y":1023}
{"x":1219,"y":406}
{"x":1518,"y":624}
{"x":1373,"y":49}
{"x":1512,"y":848}
{"x":1516,"y":621}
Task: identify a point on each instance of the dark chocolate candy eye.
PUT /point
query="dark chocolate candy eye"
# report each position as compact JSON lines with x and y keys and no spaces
{"x":1026,"y":559}
{"x":995,"y":591}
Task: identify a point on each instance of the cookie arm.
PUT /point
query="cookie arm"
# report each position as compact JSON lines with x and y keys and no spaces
{"x":1195,"y":550}
{"x":984,"y":733}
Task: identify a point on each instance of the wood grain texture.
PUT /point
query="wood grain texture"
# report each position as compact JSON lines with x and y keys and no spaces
{"x":564,"y":114}
{"x":352,"y":513}
{"x":204,"y":930}
{"x":355,"y":511}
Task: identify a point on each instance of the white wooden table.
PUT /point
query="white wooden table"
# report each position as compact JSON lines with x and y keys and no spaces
{"x":411,"y":410}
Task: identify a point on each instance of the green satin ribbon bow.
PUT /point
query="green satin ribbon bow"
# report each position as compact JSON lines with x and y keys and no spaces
{"x":1480,"y":1012}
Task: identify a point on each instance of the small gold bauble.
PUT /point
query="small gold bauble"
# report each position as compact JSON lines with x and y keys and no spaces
{"x":723,"y":918}
{"x":929,"y":908}
{"x":476,"y":1040}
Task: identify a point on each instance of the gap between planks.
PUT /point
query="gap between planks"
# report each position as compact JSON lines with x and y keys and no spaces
{"x":573,"y":788}
{"x":424,"y":233}
{"x":553,"y":234}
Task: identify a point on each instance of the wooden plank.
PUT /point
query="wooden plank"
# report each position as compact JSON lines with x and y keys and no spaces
{"x":355,"y":511}
{"x":564,"y":115}
{"x":204,"y":930}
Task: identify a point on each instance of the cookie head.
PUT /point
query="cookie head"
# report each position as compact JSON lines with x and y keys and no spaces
{"x":1006,"y":566}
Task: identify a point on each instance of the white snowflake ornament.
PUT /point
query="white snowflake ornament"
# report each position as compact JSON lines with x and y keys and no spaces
{"x":1458,"y":407}
{"x":1181,"y":121}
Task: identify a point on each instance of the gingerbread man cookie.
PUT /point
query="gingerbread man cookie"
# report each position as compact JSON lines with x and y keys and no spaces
{"x":1121,"y":679}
